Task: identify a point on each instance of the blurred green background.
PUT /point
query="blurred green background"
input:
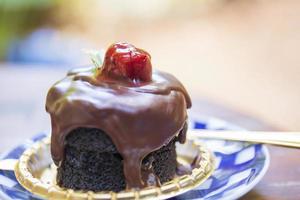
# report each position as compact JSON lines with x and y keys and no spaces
{"x":19,"y":17}
{"x":243,"y":54}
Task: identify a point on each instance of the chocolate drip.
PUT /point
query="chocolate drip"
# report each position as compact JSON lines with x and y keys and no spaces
{"x":139,"y":119}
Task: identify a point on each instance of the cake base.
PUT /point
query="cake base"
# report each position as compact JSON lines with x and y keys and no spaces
{"x":36,"y":172}
{"x":92,"y":162}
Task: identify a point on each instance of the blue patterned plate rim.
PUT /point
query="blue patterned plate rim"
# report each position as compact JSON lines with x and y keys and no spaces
{"x":219,"y":124}
{"x":255,"y":181}
{"x":225,"y":193}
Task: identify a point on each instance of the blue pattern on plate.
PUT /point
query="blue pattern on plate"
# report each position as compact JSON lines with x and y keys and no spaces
{"x":239,"y":167}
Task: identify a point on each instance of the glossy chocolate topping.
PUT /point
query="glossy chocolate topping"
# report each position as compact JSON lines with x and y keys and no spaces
{"x":139,"y":119}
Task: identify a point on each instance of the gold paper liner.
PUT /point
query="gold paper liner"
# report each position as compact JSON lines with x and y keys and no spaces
{"x":29,"y":176}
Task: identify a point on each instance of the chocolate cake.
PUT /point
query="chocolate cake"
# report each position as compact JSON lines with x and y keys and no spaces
{"x":115,"y":126}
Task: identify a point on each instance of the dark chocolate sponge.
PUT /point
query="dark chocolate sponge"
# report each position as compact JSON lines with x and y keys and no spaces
{"x":92,"y":162}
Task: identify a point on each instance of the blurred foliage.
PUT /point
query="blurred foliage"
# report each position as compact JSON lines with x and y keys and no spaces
{"x":98,"y":20}
{"x":21,"y":4}
{"x":19,"y":17}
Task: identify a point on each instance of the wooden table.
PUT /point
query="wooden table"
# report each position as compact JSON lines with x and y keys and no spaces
{"x":22,"y":115}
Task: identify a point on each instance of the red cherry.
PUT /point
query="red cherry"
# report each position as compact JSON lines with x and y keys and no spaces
{"x":125,"y":61}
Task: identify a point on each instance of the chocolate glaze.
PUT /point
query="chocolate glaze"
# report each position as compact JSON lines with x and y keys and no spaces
{"x":139,"y":119}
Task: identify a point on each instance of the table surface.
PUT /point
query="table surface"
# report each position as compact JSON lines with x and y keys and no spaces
{"x":22,"y":114}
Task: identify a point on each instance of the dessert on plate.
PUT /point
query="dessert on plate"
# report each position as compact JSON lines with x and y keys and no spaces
{"x":114,"y":126}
